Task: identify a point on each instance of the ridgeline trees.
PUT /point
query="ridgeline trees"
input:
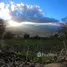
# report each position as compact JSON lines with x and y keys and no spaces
{"x":8,"y":35}
{"x":26,"y":36}
{"x":64,"y":27}
{"x":2,"y":28}
{"x":63,"y":33}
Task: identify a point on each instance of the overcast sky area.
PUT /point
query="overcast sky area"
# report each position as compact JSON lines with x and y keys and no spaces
{"x":33,"y":16}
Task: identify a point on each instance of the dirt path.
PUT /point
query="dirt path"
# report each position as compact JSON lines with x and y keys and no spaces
{"x":55,"y":65}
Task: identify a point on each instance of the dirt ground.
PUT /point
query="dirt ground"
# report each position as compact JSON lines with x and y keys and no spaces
{"x":55,"y":65}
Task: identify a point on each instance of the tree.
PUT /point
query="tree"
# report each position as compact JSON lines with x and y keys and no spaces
{"x":63,"y":34}
{"x":26,"y":36}
{"x":36,"y":37}
{"x":64,"y":26}
{"x":2,"y":28}
{"x":56,"y":35}
{"x":8,"y":35}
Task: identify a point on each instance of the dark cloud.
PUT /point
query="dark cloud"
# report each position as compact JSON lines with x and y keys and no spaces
{"x":64,"y":19}
{"x":21,"y":12}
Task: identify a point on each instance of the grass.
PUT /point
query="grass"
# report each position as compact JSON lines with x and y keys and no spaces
{"x":48,"y":43}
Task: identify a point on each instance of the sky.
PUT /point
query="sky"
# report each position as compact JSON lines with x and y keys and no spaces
{"x":51,"y":8}
{"x":33,"y":15}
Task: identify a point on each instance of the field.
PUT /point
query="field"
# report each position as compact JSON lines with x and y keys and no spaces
{"x":48,"y":43}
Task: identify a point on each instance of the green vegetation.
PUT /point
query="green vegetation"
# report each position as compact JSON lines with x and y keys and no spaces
{"x":27,"y":49}
{"x":48,"y":43}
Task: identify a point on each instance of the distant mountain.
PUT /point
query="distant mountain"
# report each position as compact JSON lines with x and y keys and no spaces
{"x":41,"y":30}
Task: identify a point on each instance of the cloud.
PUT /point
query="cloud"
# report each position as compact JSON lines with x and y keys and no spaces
{"x":64,"y":20}
{"x":4,"y":12}
{"x":21,"y":12}
{"x":33,"y":13}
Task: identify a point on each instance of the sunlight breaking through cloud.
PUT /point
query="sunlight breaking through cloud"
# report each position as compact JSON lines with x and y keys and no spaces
{"x":26,"y":14}
{"x":21,"y":12}
{"x":4,"y":12}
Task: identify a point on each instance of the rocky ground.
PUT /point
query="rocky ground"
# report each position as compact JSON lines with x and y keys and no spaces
{"x":29,"y":64}
{"x":10,"y":60}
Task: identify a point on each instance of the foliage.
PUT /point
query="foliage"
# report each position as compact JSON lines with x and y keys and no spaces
{"x":26,"y":36}
{"x":8,"y":35}
{"x":3,"y":45}
{"x":2,"y":28}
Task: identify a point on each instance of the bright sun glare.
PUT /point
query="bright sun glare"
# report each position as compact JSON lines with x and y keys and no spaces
{"x":5,"y":14}
{"x":13,"y":23}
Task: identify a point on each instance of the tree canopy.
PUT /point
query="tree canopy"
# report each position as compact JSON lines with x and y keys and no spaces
{"x":2,"y":27}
